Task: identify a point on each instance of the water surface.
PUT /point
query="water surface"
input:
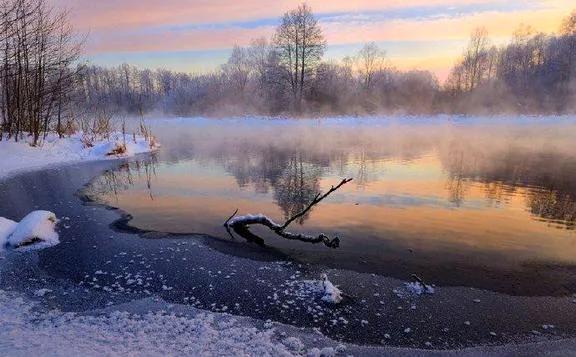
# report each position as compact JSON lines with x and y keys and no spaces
{"x":486,"y":203}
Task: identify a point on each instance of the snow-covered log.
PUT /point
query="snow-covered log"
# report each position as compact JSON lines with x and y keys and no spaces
{"x":241,"y":224}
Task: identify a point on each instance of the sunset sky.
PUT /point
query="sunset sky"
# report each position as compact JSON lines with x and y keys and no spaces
{"x":197,"y":35}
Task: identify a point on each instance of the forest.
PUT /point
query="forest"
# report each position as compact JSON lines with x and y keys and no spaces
{"x":46,"y":85}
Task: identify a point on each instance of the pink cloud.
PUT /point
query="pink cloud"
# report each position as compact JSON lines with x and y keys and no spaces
{"x":108,"y":14}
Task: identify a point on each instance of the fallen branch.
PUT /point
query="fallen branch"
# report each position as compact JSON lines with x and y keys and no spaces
{"x":241,"y":225}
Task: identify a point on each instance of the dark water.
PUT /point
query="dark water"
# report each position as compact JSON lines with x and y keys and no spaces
{"x":486,"y":203}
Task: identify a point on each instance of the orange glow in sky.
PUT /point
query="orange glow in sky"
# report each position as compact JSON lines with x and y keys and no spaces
{"x":197,"y":35}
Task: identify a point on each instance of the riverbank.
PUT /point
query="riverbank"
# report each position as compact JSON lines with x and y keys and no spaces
{"x":21,"y":156}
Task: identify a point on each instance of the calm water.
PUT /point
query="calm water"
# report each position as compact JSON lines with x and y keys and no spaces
{"x":482,"y":203}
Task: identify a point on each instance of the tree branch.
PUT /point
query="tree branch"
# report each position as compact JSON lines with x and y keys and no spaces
{"x":241,"y":225}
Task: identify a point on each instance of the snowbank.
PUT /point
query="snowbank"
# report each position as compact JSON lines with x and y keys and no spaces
{"x":19,"y":156}
{"x":37,"y":229}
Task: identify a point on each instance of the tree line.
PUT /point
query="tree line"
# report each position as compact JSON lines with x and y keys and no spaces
{"x":38,"y":52}
{"x":534,"y":74}
{"x":44,"y":86}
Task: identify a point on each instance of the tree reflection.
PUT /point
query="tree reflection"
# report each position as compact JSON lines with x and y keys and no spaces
{"x":545,"y":176}
{"x":111,"y":183}
{"x":554,"y":207}
{"x":297,"y":187}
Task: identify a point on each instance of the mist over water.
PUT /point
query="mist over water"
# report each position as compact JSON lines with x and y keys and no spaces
{"x":460,"y":201}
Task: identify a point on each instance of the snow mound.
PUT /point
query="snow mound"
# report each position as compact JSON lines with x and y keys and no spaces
{"x":332,"y":294}
{"x":7,"y":226}
{"x":37,"y":228}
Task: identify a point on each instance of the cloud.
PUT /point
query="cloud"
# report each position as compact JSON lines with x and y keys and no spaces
{"x":112,"y":14}
{"x":431,"y":32}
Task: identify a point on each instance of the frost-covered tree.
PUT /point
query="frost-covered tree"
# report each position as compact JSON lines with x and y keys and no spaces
{"x":300,"y":46}
{"x":370,"y":61}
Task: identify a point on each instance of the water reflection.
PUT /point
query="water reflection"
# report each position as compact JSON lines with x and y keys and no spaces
{"x":113,"y":182}
{"x":439,"y":198}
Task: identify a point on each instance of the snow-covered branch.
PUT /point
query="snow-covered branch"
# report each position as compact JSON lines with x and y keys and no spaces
{"x":241,"y":224}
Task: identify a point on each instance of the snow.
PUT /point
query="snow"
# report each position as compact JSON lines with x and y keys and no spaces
{"x":20,"y":156}
{"x":417,"y":288}
{"x":7,"y":226}
{"x":27,"y":330}
{"x":332,"y":294}
{"x":37,"y":228}
{"x":325,"y":352}
{"x":42,"y":292}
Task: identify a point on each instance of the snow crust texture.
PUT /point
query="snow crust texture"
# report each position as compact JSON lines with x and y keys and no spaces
{"x":26,"y":332}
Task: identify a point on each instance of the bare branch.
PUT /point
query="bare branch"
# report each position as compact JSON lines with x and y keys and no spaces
{"x":241,"y":225}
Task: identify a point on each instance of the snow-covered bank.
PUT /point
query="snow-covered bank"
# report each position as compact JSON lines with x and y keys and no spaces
{"x":21,"y":156}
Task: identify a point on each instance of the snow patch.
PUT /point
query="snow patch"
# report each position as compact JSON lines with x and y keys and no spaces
{"x":417,"y":288}
{"x":27,"y":330}
{"x":332,"y":294}
{"x":325,"y":352}
{"x":36,"y":230}
{"x":411,"y":289}
{"x":7,"y":226}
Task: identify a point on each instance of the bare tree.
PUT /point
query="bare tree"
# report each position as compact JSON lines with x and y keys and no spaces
{"x":568,"y":27}
{"x":371,"y":60}
{"x":476,"y":59}
{"x":300,"y":46}
{"x":38,"y":49}
{"x":238,"y":69}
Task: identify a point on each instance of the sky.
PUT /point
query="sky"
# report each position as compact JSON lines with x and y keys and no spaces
{"x":198,"y":35}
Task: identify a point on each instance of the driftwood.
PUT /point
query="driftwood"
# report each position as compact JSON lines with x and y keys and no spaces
{"x":241,"y":225}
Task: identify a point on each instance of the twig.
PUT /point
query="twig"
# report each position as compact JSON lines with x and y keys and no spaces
{"x":232,"y":216}
{"x":315,"y":201}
